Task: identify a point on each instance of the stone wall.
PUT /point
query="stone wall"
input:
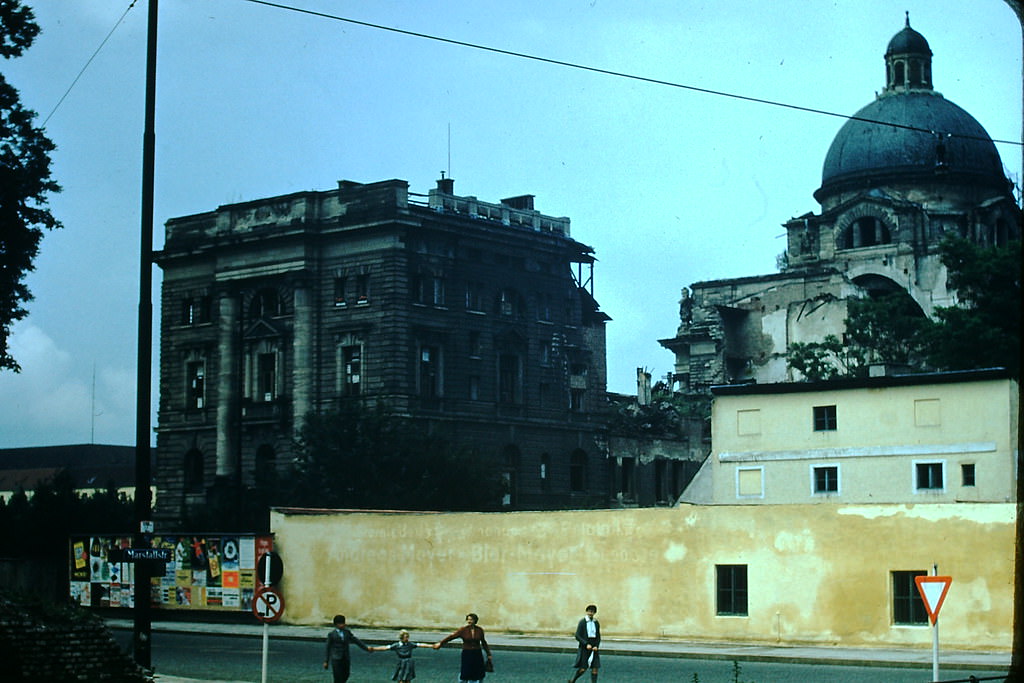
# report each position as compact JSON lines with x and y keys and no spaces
{"x":58,"y":644}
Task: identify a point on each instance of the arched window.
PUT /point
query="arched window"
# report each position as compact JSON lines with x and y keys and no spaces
{"x":265,"y":465}
{"x":866,"y":231}
{"x":511,"y":456}
{"x":192,"y":471}
{"x":545,"y":471}
{"x":578,"y":471}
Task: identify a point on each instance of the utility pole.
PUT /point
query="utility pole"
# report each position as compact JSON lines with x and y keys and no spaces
{"x":143,"y":626}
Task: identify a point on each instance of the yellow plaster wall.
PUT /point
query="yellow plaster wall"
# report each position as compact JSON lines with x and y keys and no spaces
{"x":817,"y":574}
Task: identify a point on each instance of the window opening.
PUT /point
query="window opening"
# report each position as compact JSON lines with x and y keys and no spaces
{"x":731,"y":584}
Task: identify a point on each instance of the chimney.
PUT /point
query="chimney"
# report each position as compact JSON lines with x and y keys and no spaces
{"x":445,"y":185}
{"x":643,"y":387}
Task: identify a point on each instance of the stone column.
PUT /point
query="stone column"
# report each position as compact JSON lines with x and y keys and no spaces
{"x":229,"y":386}
{"x":302,"y":352}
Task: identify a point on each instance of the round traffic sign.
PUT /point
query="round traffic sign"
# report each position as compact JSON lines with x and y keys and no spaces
{"x":276,"y":569}
{"x":268,"y":605}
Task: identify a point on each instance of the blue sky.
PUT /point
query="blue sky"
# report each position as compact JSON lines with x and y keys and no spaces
{"x":670,"y":186}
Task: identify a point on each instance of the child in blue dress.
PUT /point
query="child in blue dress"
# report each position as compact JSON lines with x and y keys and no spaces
{"x":406,"y":670}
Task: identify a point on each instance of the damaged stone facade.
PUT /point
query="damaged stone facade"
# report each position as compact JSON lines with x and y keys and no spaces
{"x":905,"y":171}
{"x":475,"y":317}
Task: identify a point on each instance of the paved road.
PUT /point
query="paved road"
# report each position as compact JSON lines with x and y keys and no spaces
{"x":217,"y":657}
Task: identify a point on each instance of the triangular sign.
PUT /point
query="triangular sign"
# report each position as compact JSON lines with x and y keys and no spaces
{"x":933,"y":591}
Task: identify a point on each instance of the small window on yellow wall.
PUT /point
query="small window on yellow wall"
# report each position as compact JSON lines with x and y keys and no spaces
{"x":748,"y":422}
{"x":750,"y":482}
{"x":927,"y":412}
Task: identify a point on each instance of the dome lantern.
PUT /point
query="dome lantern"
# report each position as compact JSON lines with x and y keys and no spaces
{"x":908,"y":62}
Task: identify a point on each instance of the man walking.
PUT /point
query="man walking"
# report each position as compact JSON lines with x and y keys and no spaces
{"x":588,"y":635}
{"x":337,"y":656}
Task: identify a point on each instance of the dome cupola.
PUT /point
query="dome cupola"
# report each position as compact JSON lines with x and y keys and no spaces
{"x":910,"y":133}
{"x":908,"y":62}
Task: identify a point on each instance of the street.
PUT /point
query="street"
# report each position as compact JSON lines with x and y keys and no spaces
{"x":235,"y":658}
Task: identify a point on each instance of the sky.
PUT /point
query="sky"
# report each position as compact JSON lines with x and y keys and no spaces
{"x":669,"y":185}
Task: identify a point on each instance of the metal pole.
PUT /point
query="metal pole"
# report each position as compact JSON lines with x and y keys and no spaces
{"x":935,"y":636}
{"x":266,"y":624}
{"x":143,"y":619}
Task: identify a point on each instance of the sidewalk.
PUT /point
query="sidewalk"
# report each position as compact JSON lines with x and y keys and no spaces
{"x":793,"y":654}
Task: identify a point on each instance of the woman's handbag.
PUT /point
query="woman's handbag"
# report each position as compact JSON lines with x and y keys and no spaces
{"x":489,"y":666}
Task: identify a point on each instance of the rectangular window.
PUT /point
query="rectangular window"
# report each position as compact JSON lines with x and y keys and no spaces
{"x":266,"y":377}
{"x":474,"y":296}
{"x":352,"y":358}
{"x":430,"y":372}
{"x":577,"y":471}
{"x":196,"y":372}
{"x":577,"y":398}
{"x":474,"y":388}
{"x":509,"y":378}
{"x":750,"y":482}
{"x":362,"y":289}
{"x":475,"y":345}
{"x":748,"y":422}
{"x":825,"y":418}
{"x":731,"y":589}
{"x":967,"y":474}
{"x":907,"y":606}
{"x":195,"y":310}
{"x":826,"y":479}
{"x":339,"y":291}
{"x":928,"y":476}
{"x":627,"y":478}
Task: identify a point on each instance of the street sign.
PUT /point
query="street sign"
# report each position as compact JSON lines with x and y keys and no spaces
{"x":268,"y":605}
{"x":276,"y":569}
{"x":933,"y":591}
{"x":145,"y":554}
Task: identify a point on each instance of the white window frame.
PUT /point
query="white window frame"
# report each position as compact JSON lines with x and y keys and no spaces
{"x":839,"y":479}
{"x":930,"y":461}
{"x":740,"y":496}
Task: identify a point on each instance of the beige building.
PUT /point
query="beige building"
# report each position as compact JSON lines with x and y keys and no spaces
{"x":784,"y":574}
{"x":930,"y":438}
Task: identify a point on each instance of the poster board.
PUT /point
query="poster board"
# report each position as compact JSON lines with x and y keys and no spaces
{"x":207,"y":571}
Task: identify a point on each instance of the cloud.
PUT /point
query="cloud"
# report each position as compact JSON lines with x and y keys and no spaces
{"x":50,"y":401}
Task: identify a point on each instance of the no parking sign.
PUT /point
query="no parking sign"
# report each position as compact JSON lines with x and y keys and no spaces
{"x":268,"y":605}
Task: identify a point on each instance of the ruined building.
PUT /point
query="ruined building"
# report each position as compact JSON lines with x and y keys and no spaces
{"x":907,"y":169}
{"x":476,"y":317}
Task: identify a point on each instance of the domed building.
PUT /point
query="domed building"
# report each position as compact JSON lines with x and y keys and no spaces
{"x":902,"y":173}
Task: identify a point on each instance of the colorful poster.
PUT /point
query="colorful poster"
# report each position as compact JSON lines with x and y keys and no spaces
{"x":205,"y":572}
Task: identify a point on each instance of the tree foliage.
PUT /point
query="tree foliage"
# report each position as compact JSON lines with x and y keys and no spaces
{"x":25,"y":181}
{"x":666,"y":416}
{"x":39,"y":525}
{"x":367,"y":458}
{"x":982,"y":331}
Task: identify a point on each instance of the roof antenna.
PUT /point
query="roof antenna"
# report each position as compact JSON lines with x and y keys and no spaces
{"x":449,"y":148}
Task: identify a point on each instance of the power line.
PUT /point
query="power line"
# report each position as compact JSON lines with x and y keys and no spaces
{"x":619,"y":74}
{"x":87,"y":63}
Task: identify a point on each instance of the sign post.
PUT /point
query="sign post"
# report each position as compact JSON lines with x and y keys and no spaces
{"x":268,"y":603}
{"x":933,"y":591}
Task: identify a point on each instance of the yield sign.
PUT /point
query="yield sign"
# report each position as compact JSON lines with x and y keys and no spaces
{"x":933,"y":591}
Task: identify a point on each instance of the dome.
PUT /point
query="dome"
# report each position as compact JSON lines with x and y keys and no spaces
{"x":932,"y":135}
{"x":929,"y":138}
{"x":906,"y":41}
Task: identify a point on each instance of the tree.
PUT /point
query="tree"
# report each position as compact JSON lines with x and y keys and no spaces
{"x":982,"y":331}
{"x":24,"y":181}
{"x":367,"y":458}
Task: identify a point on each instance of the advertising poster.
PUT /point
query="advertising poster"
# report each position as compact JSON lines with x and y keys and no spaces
{"x":206,"y":572}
